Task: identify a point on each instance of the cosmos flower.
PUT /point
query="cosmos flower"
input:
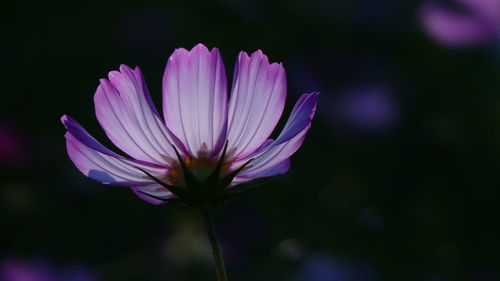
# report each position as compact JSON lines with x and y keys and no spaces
{"x":206,"y":145}
{"x":469,"y":23}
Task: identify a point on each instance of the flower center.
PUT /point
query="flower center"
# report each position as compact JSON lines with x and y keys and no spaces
{"x":201,"y":168}
{"x":200,"y":180}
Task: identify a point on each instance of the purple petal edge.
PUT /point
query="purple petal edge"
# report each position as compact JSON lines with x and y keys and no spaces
{"x":272,"y":154}
{"x":155,"y":190}
{"x":101,"y":164}
{"x":195,"y":99}
{"x":256,"y":104}
{"x":129,"y":118}
{"x":278,"y":169}
{"x":301,"y":116}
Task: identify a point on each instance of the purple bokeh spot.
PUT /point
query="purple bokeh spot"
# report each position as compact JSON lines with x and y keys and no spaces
{"x":322,"y":267}
{"x":41,"y":270}
{"x":467,"y":23}
{"x":370,"y":109}
{"x":367,"y":109}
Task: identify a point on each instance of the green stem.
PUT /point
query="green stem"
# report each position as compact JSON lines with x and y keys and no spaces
{"x":220,"y":269}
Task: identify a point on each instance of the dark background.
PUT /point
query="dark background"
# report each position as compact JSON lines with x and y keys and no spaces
{"x":397,"y":180}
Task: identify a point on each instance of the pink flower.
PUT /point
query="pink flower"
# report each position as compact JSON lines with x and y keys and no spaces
{"x":205,"y":145}
{"x":472,"y":22}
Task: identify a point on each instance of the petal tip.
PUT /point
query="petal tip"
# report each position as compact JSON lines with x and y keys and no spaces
{"x":103,"y":81}
{"x":200,"y":45}
{"x":258,"y":53}
{"x":204,"y":48}
{"x":199,"y":49}
{"x":242,"y":57}
{"x":178,"y":52}
{"x":64,"y":118}
{"x":260,"y":56}
{"x":113,"y":74}
{"x":313,"y":95}
{"x":124,"y":68}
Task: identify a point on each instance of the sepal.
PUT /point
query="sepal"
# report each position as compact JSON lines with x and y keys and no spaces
{"x":226,"y":180}
{"x":214,"y":189}
{"x":232,"y":192}
{"x":177,"y":191}
{"x":213,"y":181}
{"x":168,"y":200}
{"x":190,"y":179}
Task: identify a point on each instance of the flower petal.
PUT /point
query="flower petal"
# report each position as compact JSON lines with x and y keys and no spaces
{"x":99,"y":163}
{"x":277,"y":169}
{"x":455,"y":28}
{"x":195,"y":99}
{"x":271,"y":157}
{"x":272,"y":154}
{"x":155,"y":190}
{"x":127,"y":114}
{"x":488,"y":9}
{"x":256,"y":102}
{"x":300,"y":118}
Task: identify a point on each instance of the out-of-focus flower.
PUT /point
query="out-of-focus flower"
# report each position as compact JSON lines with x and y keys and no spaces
{"x":206,"y":144}
{"x":39,"y":270}
{"x":366,"y":109}
{"x":323,"y":267}
{"x":468,"y":23}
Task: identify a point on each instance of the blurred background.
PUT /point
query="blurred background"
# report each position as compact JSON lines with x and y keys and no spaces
{"x":397,"y":180}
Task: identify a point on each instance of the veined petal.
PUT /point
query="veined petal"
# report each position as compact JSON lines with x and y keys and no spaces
{"x":300,"y":118}
{"x":298,"y":121}
{"x":277,"y":169}
{"x":256,"y":102}
{"x":151,"y":193}
{"x":195,"y":99}
{"x":273,"y":153}
{"x":272,"y":157}
{"x":101,"y":164}
{"x":127,"y":114}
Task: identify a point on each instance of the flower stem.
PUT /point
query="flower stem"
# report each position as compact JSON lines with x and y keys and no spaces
{"x":220,"y":269}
